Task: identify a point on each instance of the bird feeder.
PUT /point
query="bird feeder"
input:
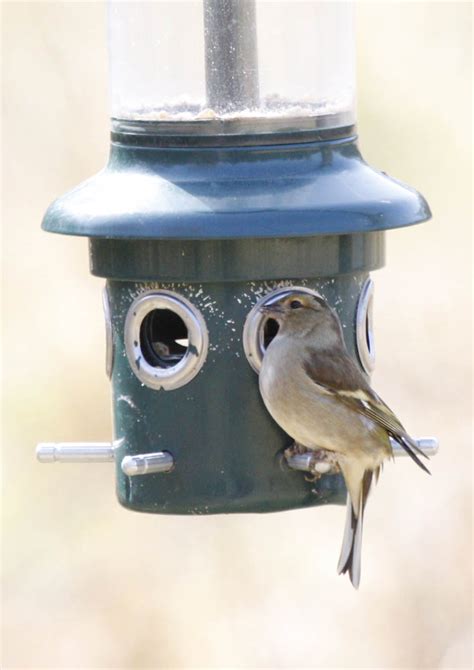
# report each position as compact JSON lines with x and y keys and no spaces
{"x":234,"y":175}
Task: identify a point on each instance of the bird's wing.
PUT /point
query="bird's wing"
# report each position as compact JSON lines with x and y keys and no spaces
{"x":342,"y":379}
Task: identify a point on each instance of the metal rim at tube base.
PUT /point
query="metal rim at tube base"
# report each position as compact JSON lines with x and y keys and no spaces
{"x":232,"y":132}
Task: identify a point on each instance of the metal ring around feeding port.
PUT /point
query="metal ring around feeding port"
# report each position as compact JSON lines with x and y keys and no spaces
{"x":177,"y":361}
{"x":254,"y":327}
{"x":364,"y":327}
{"x":109,"y":342}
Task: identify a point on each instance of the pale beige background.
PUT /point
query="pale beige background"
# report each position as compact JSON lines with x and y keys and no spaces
{"x":89,"y":585}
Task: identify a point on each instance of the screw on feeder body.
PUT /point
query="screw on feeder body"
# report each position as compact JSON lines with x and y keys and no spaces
{"x":145,"y":464}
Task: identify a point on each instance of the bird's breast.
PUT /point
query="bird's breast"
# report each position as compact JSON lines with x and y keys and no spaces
{"x":311,"y":417}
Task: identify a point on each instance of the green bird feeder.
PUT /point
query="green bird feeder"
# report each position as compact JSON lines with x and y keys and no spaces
{"x":234,"y":174}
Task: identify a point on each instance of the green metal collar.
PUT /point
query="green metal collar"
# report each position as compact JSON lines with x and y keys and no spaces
{"x":295,"y":190}
{"x":237,"y":260}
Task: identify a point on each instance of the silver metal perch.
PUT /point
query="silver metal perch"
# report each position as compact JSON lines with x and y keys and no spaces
{"x":308,"y":461}
{"x":75,"y":452}
{"x":103,"y":452}
{"x":163,"y":461}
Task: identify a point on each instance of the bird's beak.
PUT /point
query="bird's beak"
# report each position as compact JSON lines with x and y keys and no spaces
{"x":272,"y":310}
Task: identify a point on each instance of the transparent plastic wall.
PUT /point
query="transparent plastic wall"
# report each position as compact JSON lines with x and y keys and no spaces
{"x":186,"y":60}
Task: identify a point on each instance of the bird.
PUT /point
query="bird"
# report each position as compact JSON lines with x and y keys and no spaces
{"x":318,"y":395}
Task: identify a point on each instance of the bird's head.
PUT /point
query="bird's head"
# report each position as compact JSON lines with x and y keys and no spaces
{"x":303,"y":314}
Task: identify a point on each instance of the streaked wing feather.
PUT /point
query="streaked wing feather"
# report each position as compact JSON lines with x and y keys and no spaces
{"x":354,"y":391}
{"x":380,"y":413}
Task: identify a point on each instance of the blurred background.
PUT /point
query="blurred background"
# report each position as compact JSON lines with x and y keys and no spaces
{"x":90,"y":585}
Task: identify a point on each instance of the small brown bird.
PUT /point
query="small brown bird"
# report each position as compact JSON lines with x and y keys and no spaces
{"x":317,"y":394}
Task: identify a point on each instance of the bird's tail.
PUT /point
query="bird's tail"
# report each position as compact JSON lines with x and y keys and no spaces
{"x":358,"y":491}
{"x":412,"y":449}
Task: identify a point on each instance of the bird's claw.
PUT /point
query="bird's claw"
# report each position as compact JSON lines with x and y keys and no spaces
{"x":313,"y":477}
{"x":325,"y":461}
{"x":320,"y":461}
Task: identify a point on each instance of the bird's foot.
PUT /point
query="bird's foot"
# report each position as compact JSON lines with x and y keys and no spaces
{"x":313,"y":477}
{"x":325,"y":461}
{"x":296,"y":449}
{"x":316,"y":462}
{"x":322,"y":462}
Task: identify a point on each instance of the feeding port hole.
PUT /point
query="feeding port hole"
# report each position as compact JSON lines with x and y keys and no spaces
{"x":166,"y":339}
{"x":270,"y":329}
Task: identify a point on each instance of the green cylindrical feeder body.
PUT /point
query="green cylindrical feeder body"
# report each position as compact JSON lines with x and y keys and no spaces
{"x":222,"y":227}
{"x":227,"y":449}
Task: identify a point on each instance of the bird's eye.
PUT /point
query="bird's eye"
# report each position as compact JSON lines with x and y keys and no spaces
{"x":296,"y":304}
